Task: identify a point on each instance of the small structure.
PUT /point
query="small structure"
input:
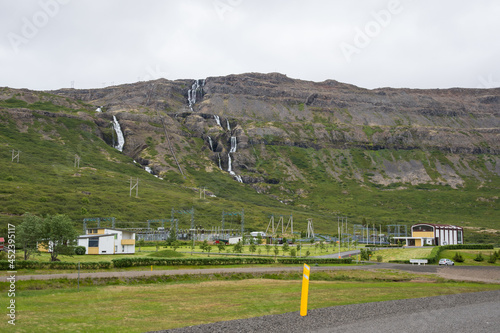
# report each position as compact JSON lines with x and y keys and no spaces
{"x":2,"y":240}
{"x":108,"y":241}
{"x":434,"y":234}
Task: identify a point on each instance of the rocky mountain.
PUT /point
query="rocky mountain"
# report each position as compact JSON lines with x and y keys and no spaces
{"x":265,"y":110}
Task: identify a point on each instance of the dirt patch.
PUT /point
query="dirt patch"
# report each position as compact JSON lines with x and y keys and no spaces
{"x":468,"y":274}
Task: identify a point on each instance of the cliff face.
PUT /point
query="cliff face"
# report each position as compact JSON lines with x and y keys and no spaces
{"x":268,"y":128}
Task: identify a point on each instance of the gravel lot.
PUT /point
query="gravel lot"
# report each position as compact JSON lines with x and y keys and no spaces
{"x":473,"y":312}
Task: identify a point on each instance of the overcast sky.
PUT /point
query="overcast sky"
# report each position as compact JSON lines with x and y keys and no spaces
{"x":51,"y":44}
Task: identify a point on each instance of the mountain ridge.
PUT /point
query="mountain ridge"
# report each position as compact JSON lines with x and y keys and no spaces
{"x":299,"y":143}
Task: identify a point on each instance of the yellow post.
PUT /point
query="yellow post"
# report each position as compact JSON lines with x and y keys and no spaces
{"x":305,"y":290}
{"x":151,"y":268}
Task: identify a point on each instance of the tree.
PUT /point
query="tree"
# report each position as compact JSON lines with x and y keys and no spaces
{"x":59,"y":236}
{"x":285,"y":248}
{"x":298,"y":248}
{"x":276,"y":250}
{"x":175,"y":245}
{"x":268,"y":248}
{"x":172,"y":237}
{"x":140,"y":243}
{"x":252,"y":248}
{"x":259,"y":239}
{"x":321,"y":246}
{"x":221,"y":246}
{"x":208,"y":247}
{"x":293,"y":252}
{"x":29,"y":233}
{"x":204,"y":245}
{"x":238,"y":247}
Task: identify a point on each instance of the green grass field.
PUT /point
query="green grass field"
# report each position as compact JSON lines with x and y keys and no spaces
{"x":469,"y":256}
{"x":147,"y":307}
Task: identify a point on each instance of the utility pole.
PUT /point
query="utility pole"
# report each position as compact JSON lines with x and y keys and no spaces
{"x":338,"y":232}
{"x":136,"y":186}
{"x":15,"y":155}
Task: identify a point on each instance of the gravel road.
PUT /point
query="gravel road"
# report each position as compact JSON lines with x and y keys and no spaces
{"x":465,"y":273}
{"x":472,"y":312}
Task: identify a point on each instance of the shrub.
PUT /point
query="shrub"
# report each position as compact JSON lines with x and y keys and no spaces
{"x":458,"y":257}
{"x":479,"y":257}
{"x":314,"y":261}
{"x":379,"y":258}
{"x":80,"y":250}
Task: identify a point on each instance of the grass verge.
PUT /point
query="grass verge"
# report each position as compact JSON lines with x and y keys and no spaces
{"x":153,"y":303}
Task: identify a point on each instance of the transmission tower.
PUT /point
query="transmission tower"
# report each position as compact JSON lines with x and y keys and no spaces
{"x":242,"y":214}
{"x":134,"y":185}
{"x":15,"y":155}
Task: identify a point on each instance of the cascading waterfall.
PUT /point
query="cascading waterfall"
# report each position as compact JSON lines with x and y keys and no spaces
{"x":229,"y":161}
{"x":220,"y":165}
{"x":119,"y":134}
{"x":228,"y":126}
{"x":234,"y":144}
{"x":217,"y":120}
{"x":192,"y":93}
{"x":211,"y":144}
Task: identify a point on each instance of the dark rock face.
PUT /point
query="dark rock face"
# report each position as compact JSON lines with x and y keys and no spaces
{"x":262,"y":110}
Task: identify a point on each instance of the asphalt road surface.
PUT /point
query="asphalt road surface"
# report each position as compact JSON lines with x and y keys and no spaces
{"x":472,"y":312}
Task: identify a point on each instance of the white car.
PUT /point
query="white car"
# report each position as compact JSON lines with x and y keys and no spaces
{"x":446,"y":262}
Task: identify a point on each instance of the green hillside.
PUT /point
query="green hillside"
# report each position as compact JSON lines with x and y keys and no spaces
{"x":46,"y":181}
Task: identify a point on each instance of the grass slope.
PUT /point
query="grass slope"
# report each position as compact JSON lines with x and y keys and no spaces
{"x":45,"y":181}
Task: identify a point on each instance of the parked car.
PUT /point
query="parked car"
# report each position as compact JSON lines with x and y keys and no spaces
{"x":446,"y":262}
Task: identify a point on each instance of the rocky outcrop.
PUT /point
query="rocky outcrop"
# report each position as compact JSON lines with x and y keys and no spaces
{"x":260,"y":111}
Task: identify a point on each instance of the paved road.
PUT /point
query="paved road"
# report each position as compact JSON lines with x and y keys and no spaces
{"x":473,"y":312}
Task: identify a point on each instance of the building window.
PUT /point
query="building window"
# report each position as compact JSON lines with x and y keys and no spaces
{"x":423,"y":228}
{"x":94,"y":242}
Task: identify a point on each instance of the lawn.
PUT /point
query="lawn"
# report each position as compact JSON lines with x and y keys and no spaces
{"x":147,"y":307}
{"x":469,"y":256}
{"x":402,"y":253}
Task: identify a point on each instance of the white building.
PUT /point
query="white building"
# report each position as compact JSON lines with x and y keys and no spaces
{"x":434,"y":234}
{"x":108,"y":241}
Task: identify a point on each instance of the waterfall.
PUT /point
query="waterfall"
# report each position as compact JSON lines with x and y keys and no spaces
{"x":217,"y":120}
{"x":234,"y":144}
{"x":228,"y":126}
{"x":193,"y":92}
{"x":229,"y":165}
{"x":220,"y":165}
{"x":230,"y":169}
{"x":211,"y":144}
{"x":119,"y":134}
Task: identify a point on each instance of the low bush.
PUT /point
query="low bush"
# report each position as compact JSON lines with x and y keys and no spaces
{"x":130,"y":262}
{"x":479,"y":257}
{"x":310,"y":261}
{"x":458,"y":257}
{"x":32,"y":264}
{"x":80,"y":250}
{"x":468,"y":247}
